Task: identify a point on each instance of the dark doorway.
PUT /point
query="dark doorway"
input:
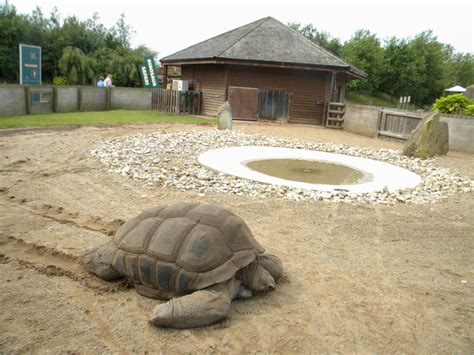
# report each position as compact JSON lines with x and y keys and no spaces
{"x":273,"y":104}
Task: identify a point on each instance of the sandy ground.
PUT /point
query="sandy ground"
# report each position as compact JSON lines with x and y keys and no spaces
{"x":357,"y":278}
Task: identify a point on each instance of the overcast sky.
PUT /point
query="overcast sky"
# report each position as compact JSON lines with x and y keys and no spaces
{"x":169,"y":26}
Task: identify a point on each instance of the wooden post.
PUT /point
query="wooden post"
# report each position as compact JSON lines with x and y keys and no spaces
{"x":178,"y":102}
{"x":165,"y":76}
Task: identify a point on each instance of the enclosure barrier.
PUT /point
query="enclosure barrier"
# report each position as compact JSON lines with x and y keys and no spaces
{"x":396,"y":124}
{"x":176,"y":102}
{"x":335,"y":115}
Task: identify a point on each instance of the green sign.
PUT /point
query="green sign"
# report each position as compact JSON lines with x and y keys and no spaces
{"x":145,"y":76}
{"x":151,"y":71}
{"x":30,"y":64}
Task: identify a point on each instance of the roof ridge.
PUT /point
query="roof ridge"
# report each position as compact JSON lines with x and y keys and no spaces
{"x":209,"y":39}
{"x":262,"y":20}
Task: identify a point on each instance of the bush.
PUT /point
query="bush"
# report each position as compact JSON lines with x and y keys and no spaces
{"x":59,"y":80}
{"x":454,"y":104}
{"x":469,"y":111}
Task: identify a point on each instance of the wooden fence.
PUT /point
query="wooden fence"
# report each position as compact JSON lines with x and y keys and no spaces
{"x":335,"y":115}
{"x":176,"y":102}
{"x":397,"y":124}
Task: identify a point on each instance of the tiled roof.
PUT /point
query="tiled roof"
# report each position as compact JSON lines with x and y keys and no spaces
{"x":265,"y":40}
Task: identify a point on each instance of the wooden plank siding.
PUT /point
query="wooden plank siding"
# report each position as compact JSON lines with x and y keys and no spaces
{"x":310,"y":90}
{"x":210,"y":80}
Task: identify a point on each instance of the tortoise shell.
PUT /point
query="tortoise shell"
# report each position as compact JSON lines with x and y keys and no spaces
{"x":182,"y":248}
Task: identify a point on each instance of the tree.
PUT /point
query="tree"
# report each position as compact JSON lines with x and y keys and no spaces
{"x":321,"y":38}
{"x":461,"y":69}
{"x":365,"y":52}
{"x":76,"y":67}
{"x":431,"y":73}
{"x":399,"y":72}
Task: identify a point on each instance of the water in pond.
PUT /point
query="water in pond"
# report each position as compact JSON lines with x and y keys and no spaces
{"x":309,"y":171}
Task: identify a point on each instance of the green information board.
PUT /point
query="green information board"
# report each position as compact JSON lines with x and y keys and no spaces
{"x":145,"y":76}
{"x":151,"y":70}
{"x":30,"y":64}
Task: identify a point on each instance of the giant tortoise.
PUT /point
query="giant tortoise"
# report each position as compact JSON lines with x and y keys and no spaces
{"x":198,"y":256}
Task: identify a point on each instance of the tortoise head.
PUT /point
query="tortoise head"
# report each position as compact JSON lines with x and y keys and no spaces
{"x":91,"y":258}
{"x":272,"y":264}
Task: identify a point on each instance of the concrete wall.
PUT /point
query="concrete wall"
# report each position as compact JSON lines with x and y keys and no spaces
{"x":12,"y":100}
{"x":70,"y":99}
{"x":130,"y":99}
{"x":93,"y":99}
{"x":363,"y":120}
{"x":67,"y":99}
{"x":461,"y":133}
{"x":45,"y":105}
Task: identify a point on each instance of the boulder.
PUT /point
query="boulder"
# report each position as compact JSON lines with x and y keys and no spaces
{"x":224,"y":116}
{"x":430,"y":138}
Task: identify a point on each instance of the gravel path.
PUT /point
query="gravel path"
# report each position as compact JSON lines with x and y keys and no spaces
{"x":170,"y":160}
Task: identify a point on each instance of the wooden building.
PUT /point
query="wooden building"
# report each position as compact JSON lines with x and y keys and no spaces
{"x":265,"y":70}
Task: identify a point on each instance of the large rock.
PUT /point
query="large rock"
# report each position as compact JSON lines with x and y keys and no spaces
{"x":430,"y":138}
{"x":224,"y":116}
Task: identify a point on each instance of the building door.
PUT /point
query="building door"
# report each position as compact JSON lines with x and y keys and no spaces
{"x":244,"y":103}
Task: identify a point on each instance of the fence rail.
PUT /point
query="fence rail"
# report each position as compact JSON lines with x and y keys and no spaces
{"x":177,"y":102}
{"x":397,"y":124}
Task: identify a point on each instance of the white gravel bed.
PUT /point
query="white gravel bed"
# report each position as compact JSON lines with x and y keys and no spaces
{"x":171,"y":160}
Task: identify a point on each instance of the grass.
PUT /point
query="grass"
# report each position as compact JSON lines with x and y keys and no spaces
{"x":379,"y":100}
{"x":116,"y":117}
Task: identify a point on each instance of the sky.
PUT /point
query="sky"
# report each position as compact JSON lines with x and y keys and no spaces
{"x":169,"y":26}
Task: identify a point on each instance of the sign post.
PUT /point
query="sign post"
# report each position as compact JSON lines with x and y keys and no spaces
{"x":30,"y":64}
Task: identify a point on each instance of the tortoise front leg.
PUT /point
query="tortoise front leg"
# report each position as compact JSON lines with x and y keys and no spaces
{"x":197,"y":309}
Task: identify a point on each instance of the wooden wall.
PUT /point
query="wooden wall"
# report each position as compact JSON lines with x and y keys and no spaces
{"x":210,"y":80}
{"x":310,"y":89}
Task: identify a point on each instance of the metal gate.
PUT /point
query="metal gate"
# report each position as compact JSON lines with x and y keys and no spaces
{"x":244,"y":103}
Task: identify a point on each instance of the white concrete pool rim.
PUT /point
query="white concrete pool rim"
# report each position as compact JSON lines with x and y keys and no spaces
{"x":233,"y":160}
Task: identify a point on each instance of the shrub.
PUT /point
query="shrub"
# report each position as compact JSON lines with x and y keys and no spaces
{"x":454,"y":104}
{"x":469,"y":111}
{"x":59,"y":80}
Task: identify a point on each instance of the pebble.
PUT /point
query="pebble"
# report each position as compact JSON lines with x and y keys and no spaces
{"x":170,"y":159}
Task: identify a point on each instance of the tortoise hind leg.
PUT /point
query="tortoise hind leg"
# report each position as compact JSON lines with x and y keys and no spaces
{"x":197,"y":309}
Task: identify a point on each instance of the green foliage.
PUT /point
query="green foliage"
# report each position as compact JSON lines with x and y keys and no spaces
{"x":420,"y":67}
{"x":78,"y":50}
{"x":454,"y":104}
{"x":365,"y":52}
{"x":76,"y":67}
{"x":321,"y":38}
{"x":60,"y":80}
{"x":469,"y":110}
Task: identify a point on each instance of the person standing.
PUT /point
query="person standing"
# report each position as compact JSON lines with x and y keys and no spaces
{"x":100,"y":83}
{"x":108,"y":81}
